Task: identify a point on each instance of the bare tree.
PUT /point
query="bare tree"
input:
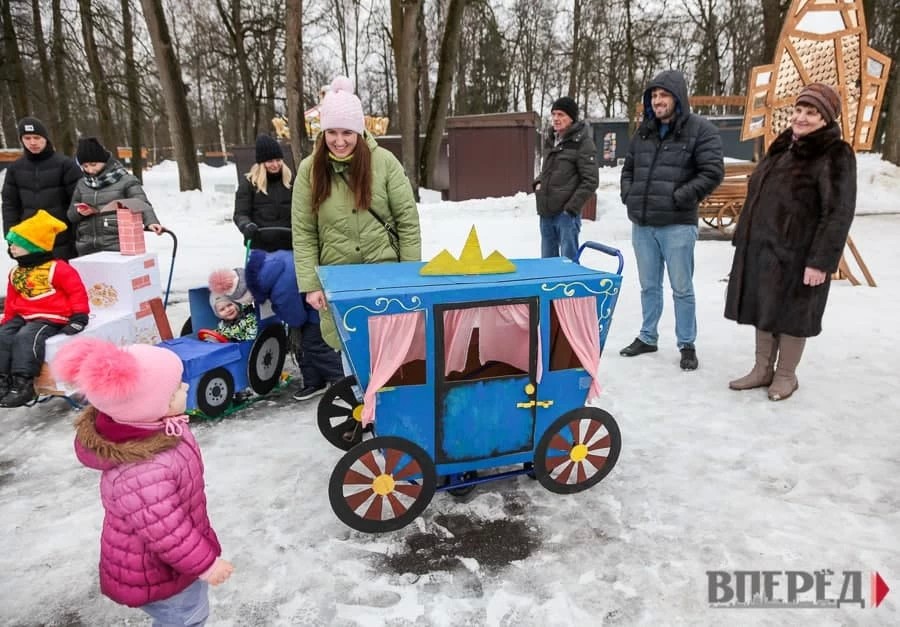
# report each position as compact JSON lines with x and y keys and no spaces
{"x":65,"y":123}
{"x":437,"y":118}
{"x":15,"y":72}
{"x":133,"y":89}
{"x":180,"y":131}
{"x":404,"y":35}
{"x":294,"y":80}
{"x":98,"y":76}
{"x":704,"y":15}
{"x":576,"y":43}
{"x":773,"y":18}
{"x":44,"y":64}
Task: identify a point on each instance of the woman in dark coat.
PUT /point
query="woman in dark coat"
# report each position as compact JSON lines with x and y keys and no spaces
{"x":800,"y":203}
{"x":263,"y":198}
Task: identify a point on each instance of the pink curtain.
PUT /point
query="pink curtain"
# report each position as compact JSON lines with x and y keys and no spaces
{"x":394,"y":340}
{"x":458,"y":325}
{"x":503,"y":336}
{"x":581,"y":326}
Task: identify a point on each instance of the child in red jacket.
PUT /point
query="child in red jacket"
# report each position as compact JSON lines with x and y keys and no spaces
{"x":158,"y":550}
{"x":45,"y":296}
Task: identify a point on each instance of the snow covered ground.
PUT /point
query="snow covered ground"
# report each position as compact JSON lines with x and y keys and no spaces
{"x":708,"y":479}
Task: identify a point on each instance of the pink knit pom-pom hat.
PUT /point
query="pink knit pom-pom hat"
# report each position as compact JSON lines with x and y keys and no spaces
{"x":131,"y":384}
{"x":229,"y":282}
{"x":341,"y":108}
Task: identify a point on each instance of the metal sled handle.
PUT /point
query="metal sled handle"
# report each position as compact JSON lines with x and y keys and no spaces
{"x":603,"y":248}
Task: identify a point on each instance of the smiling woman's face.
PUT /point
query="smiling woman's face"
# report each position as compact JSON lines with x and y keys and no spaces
{"x":806,"y":119}
{"x":341,"y":141}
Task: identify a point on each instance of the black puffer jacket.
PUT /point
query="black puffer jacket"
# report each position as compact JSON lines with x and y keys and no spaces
{"x":43,"y":181}
{"x":663,"y":180}
{"x":272,"y":208}
{"x":569,"y":172}
{"x":801,"y":199}
{"x":101,"y":231}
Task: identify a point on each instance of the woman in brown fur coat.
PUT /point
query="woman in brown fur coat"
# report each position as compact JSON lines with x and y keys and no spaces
{"x":800,"y":203}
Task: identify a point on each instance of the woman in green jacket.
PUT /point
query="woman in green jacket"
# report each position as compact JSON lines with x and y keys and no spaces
{"x":352,"y":202}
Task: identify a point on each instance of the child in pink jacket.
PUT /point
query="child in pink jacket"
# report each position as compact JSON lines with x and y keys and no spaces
{"x":158,"y":550}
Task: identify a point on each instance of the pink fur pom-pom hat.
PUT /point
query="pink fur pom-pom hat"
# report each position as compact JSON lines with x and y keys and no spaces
{"x":131,"y":384}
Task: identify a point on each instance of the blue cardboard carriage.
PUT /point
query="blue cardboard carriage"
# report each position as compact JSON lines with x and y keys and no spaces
{"x":493,"y":379}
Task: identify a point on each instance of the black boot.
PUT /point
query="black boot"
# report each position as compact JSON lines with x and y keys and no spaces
{"x":4,"y":384}
{"x":20,"y":393}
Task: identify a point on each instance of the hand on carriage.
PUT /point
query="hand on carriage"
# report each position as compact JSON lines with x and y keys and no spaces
{"x":218,"y":573}
{"x":77,"y":323}
{"x":249,"y":230}
{"x":316,"y":300}
{"x":159,"y":229}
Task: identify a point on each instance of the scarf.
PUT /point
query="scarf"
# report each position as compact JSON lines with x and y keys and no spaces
{"x":121,"y":432}
{"x":110,"y":174}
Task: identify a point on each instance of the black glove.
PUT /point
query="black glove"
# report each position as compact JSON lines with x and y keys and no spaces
{"x":76,"y":324}
{"x":250,"y":229}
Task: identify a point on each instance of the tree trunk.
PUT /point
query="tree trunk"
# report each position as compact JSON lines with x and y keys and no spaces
{"x":424,"y":86}
{"x":98,"y":78}
{"x":773,"y":19}
{"x":891,"y":149}
{"x":180,"y":133}
{"x":404,"y":14}
{"x":133,"y":89}
{"x":437,"y":118}
{"x":293,"y":56}
{"x":66,"y":138}
{"x":13,"y":61}
{"x":630,"y":87}
{"x":576,"y":44}
{"x":44,"y":63}
{"x":235,"y":28}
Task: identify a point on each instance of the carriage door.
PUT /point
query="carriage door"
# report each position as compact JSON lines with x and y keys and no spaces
{"x":485,"y":363}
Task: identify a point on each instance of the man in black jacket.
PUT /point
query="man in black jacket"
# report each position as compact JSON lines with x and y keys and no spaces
{"x":40,"y":179}
{"x":674,"y":161}
{"x":568,"y":178}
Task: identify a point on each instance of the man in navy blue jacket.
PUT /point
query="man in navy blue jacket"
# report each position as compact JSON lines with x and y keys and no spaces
{"x":674,"y":161}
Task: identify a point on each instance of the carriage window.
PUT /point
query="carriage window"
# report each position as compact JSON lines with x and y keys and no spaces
{"x":562,"y":355}
{"x":397,"y":348}
{"x":486,"y":342}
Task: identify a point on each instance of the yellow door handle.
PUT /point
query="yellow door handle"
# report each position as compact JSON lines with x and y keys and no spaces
{"x":544,"y":404}
{"x":527,"y":405}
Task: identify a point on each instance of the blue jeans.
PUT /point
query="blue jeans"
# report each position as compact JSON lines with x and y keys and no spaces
{"x":673,"y":247}
{"x":559,"y":235}
{"x":188,"y":608}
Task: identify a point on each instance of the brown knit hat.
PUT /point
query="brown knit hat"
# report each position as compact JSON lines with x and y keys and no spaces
{"x":824,"y":98}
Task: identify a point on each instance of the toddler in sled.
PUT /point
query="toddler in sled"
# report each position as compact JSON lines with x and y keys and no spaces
{"x":232,"y":303}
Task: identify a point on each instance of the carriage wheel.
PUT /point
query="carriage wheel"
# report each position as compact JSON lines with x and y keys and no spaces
{"x":267,"y":359}
{"x":340,"y":415}
{"x":577,"y":451}
{"x":214,"y":392}
{"x":382,"y":484}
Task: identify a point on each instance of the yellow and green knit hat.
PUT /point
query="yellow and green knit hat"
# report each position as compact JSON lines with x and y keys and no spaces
{"x":36,"y":234}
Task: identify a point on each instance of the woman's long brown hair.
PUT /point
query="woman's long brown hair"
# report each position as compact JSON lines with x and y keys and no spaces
{"x":359,"y":176}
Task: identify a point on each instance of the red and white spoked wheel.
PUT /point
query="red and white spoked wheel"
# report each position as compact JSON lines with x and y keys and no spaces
{"x":382,"y":484}
{"x":577,"y":451}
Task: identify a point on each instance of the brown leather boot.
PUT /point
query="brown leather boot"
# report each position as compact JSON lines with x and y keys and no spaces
{"x":764,"y":369}
{"x":790,"y":350}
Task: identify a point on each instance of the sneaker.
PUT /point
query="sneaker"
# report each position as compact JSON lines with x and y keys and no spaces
{"x":637,"y":347}
{"x":308,"y":392}
{"x":689,"y":358}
